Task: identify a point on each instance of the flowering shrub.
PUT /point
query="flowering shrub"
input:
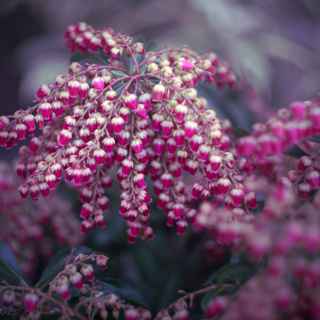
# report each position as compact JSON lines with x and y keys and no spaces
{"x":141,"y":110}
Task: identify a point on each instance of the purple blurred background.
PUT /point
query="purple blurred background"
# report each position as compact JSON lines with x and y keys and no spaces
{"x":273,"y":44}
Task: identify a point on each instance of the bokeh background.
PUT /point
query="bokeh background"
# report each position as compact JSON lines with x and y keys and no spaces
{"x":272,"y":45}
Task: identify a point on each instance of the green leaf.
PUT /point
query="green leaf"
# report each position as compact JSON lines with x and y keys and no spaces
{"x":143,"y":69}
{"x":57,"y":264}
{"x":17,"y":313}
{"x":119,"y":74}
{"x":295,"y":152}
{"x":9,"y":266}
{"x":151,"y":45}
{"x":88,"y":57}
{"x":130,"y":293}
{"x":315,"y":139}
{"x":240,"y":132}
{"x":231,"y":273}
{"x":109,"y":288}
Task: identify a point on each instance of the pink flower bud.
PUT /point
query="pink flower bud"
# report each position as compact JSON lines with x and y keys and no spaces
{"x":158,"y":146}
{"x":313,"y":179}
{"x":250,"y":200}
{"x":131,"y":314}
{"x":304,"y":163}
{"x":73,"y":87}
{"x":124,"y":206}
{"x":237,"y":196}
{"x":99,"y":219}
{"x":21,"y":131}
{"x":137,"y":146}
{"x":304,"y":190}
{"x":195,"y":142}
{"x":121,"y":154}
{"x":216,"y":306}
{"x":21,"y":171}
{"x":156,"y":121}
{"x":108,"y":144}
{"x":132,"y":215}
{"x":141,"y":112}
{"x":30,"y":302}
{"x":184,"y":64}
{"x":111,"y":95}
{"x":192,"y":167}
{"x":7,"y":298}
{"x":197,"y":190}
{"x":87,"y":272}
{"x":83,"y":89}
{"x":86,"y":210}
{"x":91,"y":124}
{"x":102,"y":202}
{"x":24,"y":190}
{"x":144,"y":197}
{"x":131,"y":102}
{"x":77,"y":280}
{"x":51,"y":180}
{"x":224,"y":185}
{"x":78,"y":176}
{"x":182,"y":157}
{"x":43,"y":91}
{"x":158,"y":92}
{"x":117,"y":124}
{"x":166,"y":180}
{"x":34,"y":145}
{"x":102,"y":262}
{"x":44,"y":189}
{"x":181,"y":226}
{"x":179,"y":136}
{"x":191,"y":215}
{"x":29,"y":122}
{"x":98,"y":83}
{"x":190,"y":128}
{"x":204,"y":152}
{"x":4,"y":121}
{"x":64,"y":97}
{"x":85,"y":226}
{"x":297,"y":109}
{"x":99,"y":156}
{"x":127,"y":166}
{"x":64,"y":137}
{"x":46,"y":110}
{"x":172,"y":146}
{"x":166,"y":127}
{"x":34,"y":192}
{"x":178,"y":209}
{"x":63,"y":290}
{"x":145,"y":99}
{"x":138,"y":180}
{"x":162,"y":200}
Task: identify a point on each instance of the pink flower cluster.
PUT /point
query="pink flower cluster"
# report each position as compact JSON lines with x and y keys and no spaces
{"x":78,"y":268}
{"x":150,"y":122}
{"x":301,"y":120}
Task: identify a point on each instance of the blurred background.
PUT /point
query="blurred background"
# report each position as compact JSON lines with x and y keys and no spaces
{"x":273,"y":45}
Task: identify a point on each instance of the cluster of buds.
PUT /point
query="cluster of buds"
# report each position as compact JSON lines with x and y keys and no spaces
{"x":300,"y":121}
{"x":304,"y":178}
{"x":289,"y":284}
{"x":149,"y":122}
{"x":33,"y":230}
{"x":285,"y":241}
{"x":79,"y":272}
